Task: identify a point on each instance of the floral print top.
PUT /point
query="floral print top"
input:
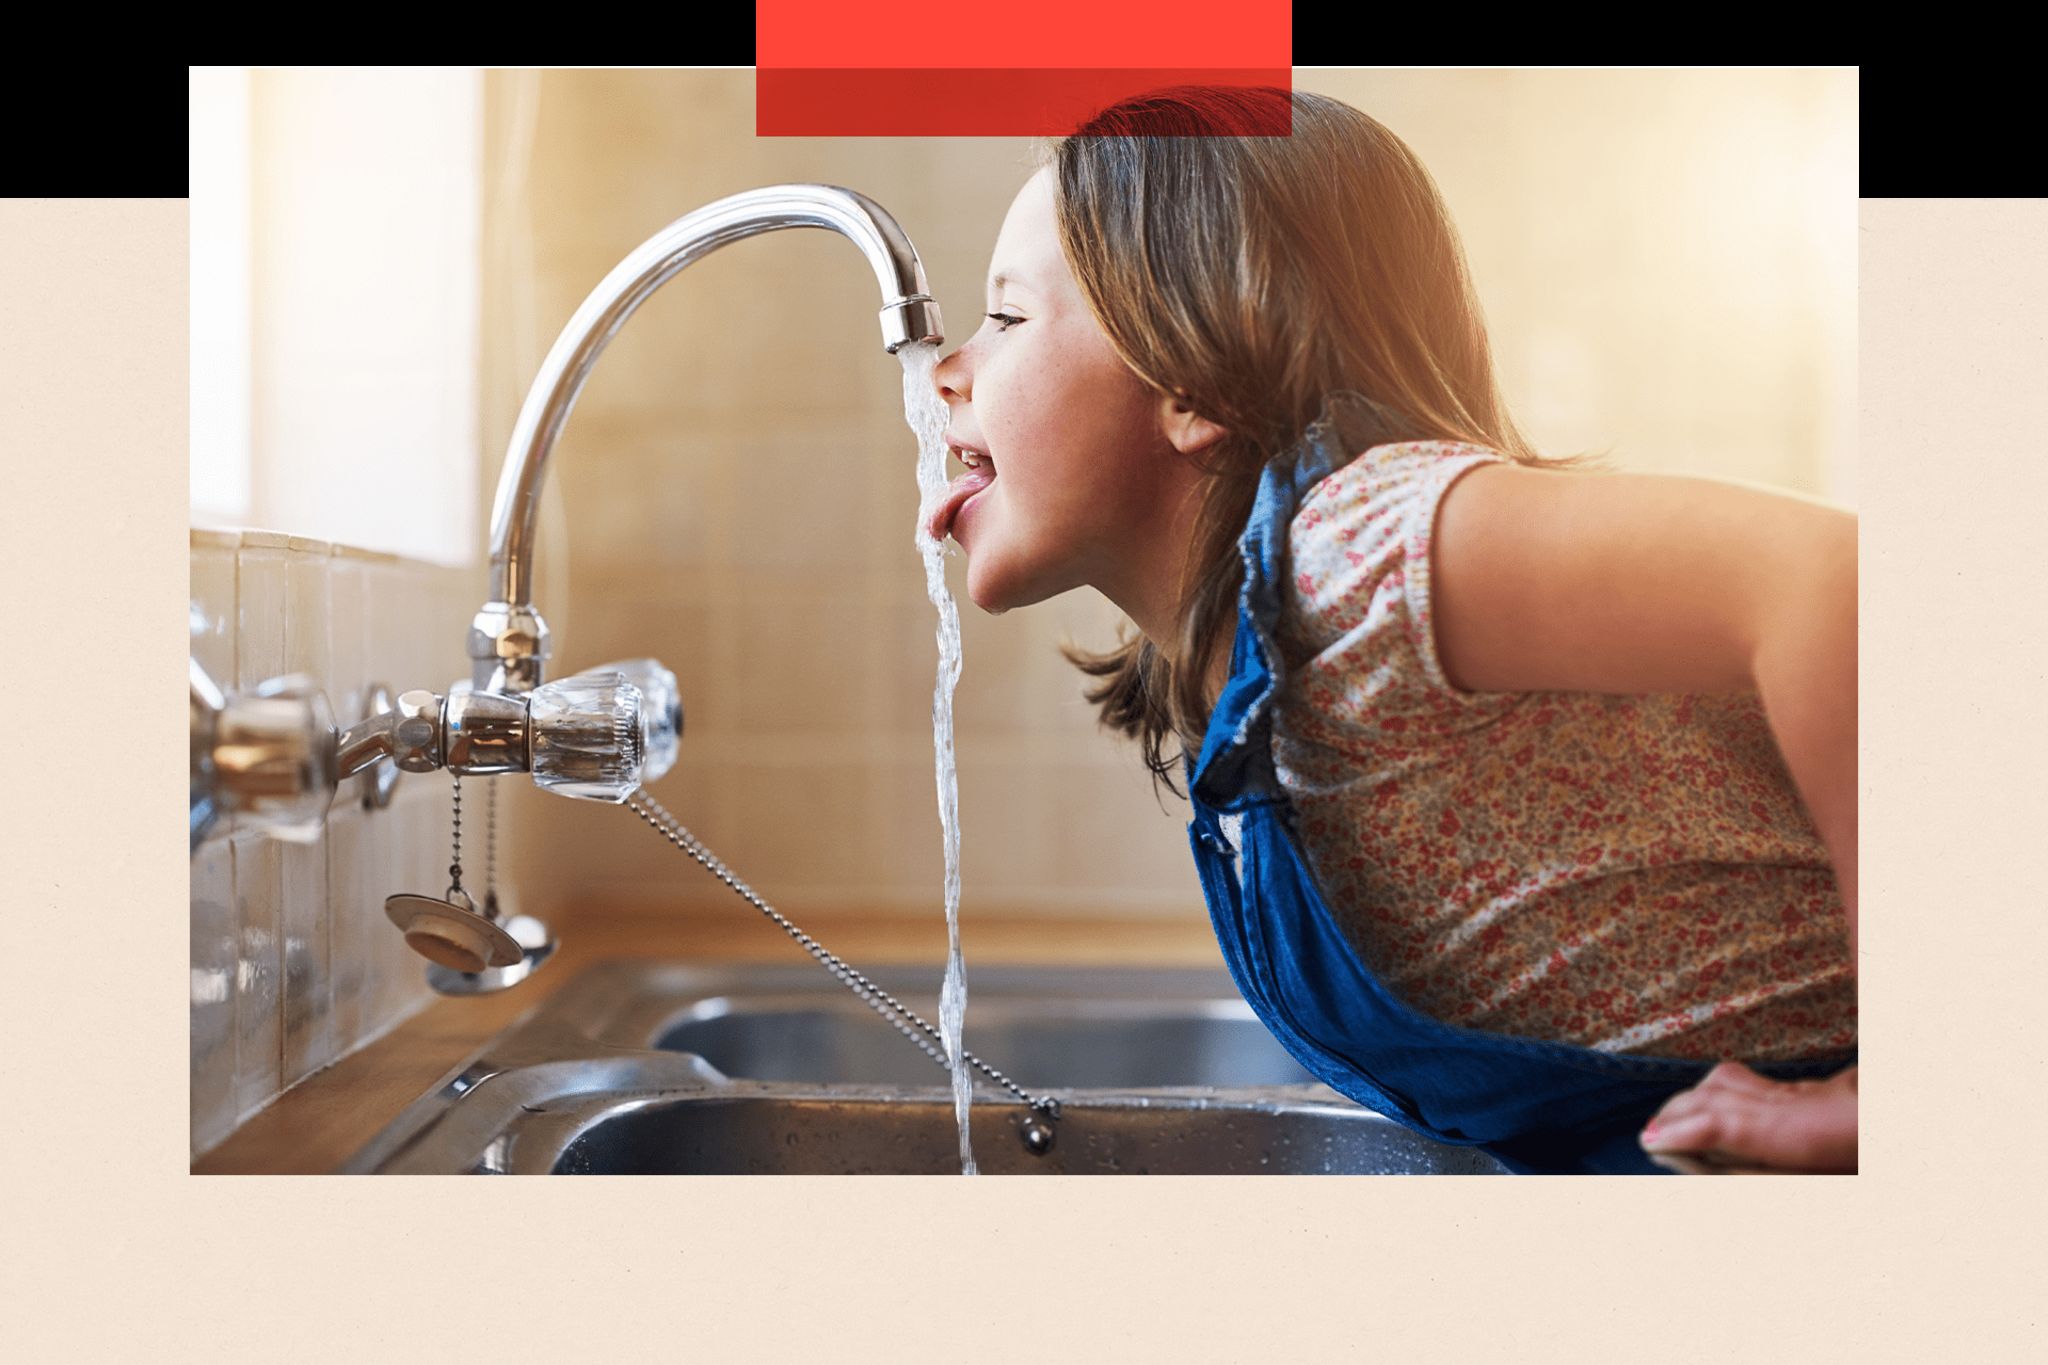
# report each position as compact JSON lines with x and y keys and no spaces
{"x":1634,"y":873}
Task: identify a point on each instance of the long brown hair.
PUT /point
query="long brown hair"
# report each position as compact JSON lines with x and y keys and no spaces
{"x":1253,"y":276}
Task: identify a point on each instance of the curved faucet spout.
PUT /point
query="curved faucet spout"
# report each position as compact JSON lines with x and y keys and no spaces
{"x":508,"y":645}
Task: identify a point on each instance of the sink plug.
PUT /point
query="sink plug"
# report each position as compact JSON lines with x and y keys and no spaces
{"x":452,"y":932}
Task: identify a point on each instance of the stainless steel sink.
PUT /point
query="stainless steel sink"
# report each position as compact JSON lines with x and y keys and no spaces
{"x":654,"y":1068}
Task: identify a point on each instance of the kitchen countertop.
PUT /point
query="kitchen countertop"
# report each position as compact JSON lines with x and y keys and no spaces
{"x":328,"y":1117}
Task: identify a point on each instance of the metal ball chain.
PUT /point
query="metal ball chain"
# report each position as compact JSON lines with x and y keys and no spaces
{"x":455,"y":864}
{"x":491,"y":850}
{"x":666,"y":825}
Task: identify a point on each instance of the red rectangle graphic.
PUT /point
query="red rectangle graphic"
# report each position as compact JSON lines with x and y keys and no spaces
{"x":798,"y":34}
{"x":988,"y":102}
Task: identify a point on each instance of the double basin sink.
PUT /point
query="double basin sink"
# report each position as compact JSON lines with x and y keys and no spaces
{"x":639,"y":1067}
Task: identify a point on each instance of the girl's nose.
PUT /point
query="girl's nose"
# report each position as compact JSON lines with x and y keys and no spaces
{"x":949,"y":377}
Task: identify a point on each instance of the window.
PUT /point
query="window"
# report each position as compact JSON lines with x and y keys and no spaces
{"x":336,"y":229}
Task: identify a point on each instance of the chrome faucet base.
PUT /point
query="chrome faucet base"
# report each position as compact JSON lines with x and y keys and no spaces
{"x":508,"y":648}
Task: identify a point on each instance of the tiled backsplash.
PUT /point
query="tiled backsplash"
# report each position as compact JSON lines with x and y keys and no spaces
{"x":293,"y":962}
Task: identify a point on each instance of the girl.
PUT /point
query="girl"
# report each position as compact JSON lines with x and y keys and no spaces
{"x":1523,"y":792}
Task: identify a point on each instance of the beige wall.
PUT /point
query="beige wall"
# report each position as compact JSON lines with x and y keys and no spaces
{"x":1666,"y":260}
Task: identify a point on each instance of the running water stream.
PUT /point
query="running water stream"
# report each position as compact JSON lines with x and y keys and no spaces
{"x":926,"y":413}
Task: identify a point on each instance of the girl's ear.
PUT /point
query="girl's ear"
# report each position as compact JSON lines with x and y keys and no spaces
{"x":1189,"y":433}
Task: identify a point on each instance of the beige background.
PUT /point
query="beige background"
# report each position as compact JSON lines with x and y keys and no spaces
{"x":116,"y":1252}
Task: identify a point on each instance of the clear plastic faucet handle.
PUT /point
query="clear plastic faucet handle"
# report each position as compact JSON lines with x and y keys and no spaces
{"x":661,"y":712}
{"x":587,"y":737}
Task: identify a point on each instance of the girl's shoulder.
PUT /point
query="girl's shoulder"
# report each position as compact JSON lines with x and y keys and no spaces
{"x":1382,"y":478}
{"x":1409,"y":457}
{"x":1359,"y":557}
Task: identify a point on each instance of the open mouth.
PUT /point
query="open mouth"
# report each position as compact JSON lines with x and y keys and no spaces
{"x":979,"y":474}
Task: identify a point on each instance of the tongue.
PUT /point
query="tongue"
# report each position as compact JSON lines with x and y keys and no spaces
{"x":955,"y":496}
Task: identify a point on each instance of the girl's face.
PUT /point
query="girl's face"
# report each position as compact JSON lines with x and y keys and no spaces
{"x":1086,"y":481}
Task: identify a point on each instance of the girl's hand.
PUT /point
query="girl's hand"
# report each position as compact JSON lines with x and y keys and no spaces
{"x":1737,"y":1117}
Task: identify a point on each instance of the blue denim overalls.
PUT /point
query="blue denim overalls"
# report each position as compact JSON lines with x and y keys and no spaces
{"x":1540,"y":1107}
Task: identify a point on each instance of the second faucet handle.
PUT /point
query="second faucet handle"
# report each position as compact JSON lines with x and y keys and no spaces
{"x":585,"y":736}
{"x":598,"y":735}
{"x":661,"y":712}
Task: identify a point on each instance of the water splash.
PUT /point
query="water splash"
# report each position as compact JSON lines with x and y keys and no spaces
{"x":926,"y":413}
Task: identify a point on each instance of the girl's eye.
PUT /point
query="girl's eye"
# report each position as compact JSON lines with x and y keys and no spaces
{"x":1003,"y":321}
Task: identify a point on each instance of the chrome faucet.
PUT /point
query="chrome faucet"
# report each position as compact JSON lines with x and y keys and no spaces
{"x":274,"y":758}
{"x":508,"y":640}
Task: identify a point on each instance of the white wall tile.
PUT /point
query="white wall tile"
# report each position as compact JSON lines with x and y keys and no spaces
{"x":459,"y":592}
{"x":306,"y":978}
{"x":259,"y":656}
{"x":214,"y":959}
{"x":383,"y":869}
{"x":259,"y":1061}
{"x":353,"y":917}
{"x":387,"y":626}
{"x":260,"y":606}
{"x":347,"y":638}
{"x":214,"y":619}
{"x":294,"y":963}
{"x":213,"y":593}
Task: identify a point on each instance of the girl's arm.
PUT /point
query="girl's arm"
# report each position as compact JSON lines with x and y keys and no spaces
{"x":1543,"y":580}
{"x":1806,"y":672}
{"x":1657,"y":583}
